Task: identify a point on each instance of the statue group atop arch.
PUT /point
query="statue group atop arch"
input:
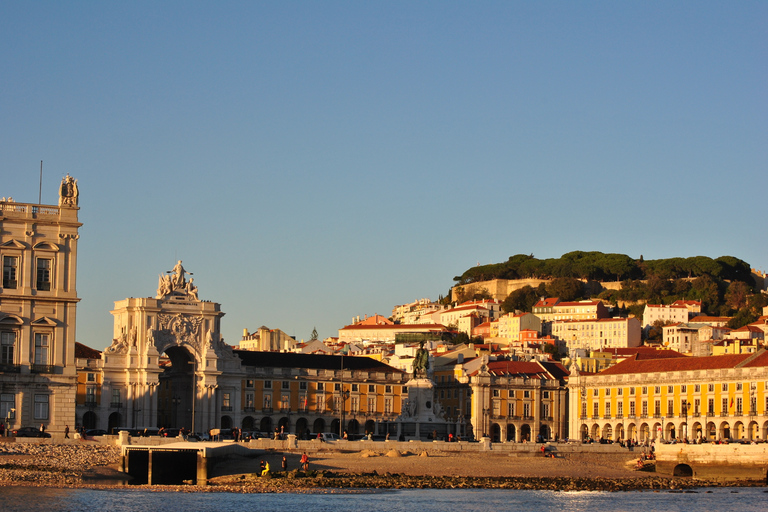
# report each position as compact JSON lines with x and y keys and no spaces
{"x":174,"y":283}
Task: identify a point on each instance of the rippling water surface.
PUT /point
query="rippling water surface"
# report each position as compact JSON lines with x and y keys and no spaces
{"x":25,"y":499}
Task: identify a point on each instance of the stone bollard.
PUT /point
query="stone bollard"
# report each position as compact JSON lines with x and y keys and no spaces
{"x":292,"y":442}
{"x":123,"y":438}
{"x":485,"y":443}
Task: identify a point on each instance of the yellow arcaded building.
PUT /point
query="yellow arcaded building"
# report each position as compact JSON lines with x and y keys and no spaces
{"x":699,"y":398}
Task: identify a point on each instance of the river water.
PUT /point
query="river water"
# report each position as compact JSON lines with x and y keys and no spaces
{"x":13,"y":499}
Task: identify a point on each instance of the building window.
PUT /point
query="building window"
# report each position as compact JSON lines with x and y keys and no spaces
{"x":7,"y":346}
{"x":739,"y":386}
{"x":527,"y":410}
{"x":607,"y":409}
{"x":620,"y":391}
{"x":354,"y":405}
{"x":711,"y":406}
{"x":286,"y":384}
{"x":527,"y":394}
{"x":670,"y":408}
{"x":724,"y":387}
{"x":355,"y":387}
{"x":645,"y":409}
{"x":495,"y":393}
{"x":511,"y":409}
{"x":595,"y":409}
{"x":546,"y":394}
{"x":645,"y":390}
{"x":115,"y":397}
{"x":371,"y":405}
{"x":657,"y":408}
{"x":267,"y":384}
{"x":387,"y":389}
{"x":249,"y":403}
{"x":7,"y":402}
{"x":711,"y":388}
{"x":285,"y":403}
{"x":739,"y":405}
{"x":226,"y":401}
{"x":319,"y":403}
{"x":41,"y":348}
{"x":90,"y":395}
{"x":267,"y":402}
{"x":303,"y":403}
{"x":724,"y":409}
{"x":10,"y":266}
{"x":632,"y":409}
{"x":320,"y":386}
{"x":387,"y":406}
{"x":697,"y":388}
{"x":91,"y":377}
{"x":41,"y":407}
{"x":631,"y":391}
{"x":337,"y":387}
{"x":657,"y":389}
{"x":43,"y":274}
{"x":683,"y":388}
{"x":620,"y":409}
{"x":249,"y":384}
{"x":371,"y":388}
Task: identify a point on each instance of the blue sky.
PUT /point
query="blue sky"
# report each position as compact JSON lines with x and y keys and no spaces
{"x":313,"y":161}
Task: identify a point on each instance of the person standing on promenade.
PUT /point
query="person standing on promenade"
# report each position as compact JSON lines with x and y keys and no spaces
{"x":265,"y":471}
{"x":285,"y":464}
{"x":66,"y":432}
{"x":304,"y":462}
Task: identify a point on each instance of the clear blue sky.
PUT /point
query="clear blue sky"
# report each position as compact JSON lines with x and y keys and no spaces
{"x":312,"y":161}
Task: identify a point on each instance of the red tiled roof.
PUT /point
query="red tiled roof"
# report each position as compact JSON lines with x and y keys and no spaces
{"x":397,"y":327}
{"x":584,"y":303}
{"x":84,"y":352}
{"x":547,"y":303}
{"x":675,"y":364}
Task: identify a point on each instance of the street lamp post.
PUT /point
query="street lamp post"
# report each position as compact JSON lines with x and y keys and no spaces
{"x":583,"y":412}
{"x":684,"y":405}
{"x":752,"y":408}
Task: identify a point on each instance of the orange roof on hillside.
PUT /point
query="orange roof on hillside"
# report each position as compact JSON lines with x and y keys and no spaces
{"x":397,"y":327}
{"x":582,"y":303}
{"x":547,"y":303}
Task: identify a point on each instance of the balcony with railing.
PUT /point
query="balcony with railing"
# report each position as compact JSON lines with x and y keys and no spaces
{"x":42,"y":368}
{"x":226,"y":408}
{"x":266,"y":410}
{"x":10,"y":368}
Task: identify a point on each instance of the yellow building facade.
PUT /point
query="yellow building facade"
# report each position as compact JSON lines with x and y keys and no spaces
{"x":696,"y":398}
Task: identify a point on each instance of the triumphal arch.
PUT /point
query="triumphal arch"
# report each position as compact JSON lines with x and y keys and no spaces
{"x":166,"y":360}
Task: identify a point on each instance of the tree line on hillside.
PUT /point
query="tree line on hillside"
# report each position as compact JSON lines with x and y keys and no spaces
{"x":724,"y":285}
{"x":598,"y":266}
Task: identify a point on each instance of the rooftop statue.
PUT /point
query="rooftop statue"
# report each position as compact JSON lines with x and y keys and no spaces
{"x":69,"y":195}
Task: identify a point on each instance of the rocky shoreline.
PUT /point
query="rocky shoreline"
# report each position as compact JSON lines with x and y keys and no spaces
{"x":92,"y":465}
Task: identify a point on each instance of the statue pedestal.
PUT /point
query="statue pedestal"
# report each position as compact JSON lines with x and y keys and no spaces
{"x":421,"y":416}
{"x":421,"y":400}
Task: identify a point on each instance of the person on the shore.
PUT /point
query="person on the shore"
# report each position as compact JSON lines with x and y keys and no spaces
{"x":304,"y":462}
{"x":42,"y":428}
{"x":265,"y":471}
{"x":66,"y":432}
{"x":387,"y":438}
{"x":2,"y":429}
{"x":285,"y":464}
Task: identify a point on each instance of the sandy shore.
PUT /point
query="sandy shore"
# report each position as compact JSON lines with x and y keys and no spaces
{"x":448,"y":464}
{"x":93,"y":464}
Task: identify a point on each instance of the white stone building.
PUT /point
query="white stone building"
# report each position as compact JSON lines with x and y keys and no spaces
{"x":38,"y":309}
